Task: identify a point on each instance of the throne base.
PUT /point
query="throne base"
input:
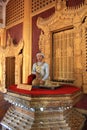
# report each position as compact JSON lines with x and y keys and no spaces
{"x":43,"y":112}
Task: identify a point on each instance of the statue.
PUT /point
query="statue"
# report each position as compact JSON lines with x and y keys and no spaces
{"x":41,"y":70}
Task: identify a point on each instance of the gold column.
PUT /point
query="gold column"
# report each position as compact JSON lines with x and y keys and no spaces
{"x":27,"y":27}
{"x":2,"y":37}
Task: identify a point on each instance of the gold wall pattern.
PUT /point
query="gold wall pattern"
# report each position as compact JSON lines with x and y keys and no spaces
{"x":38,"y":5}
{"x":86,"y":48}
{"x":84,"y":53}
{"x":14,"y":11}
{"x":63,"y":52}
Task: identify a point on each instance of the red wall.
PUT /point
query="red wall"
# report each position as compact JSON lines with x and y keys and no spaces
{"x":36,"y":31}
{"x":16,"y":32}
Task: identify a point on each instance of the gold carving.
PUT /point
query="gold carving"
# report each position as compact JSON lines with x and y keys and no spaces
{"x":63,"y":18}
{"x":9,"y":51}
{"x":60,"y":4}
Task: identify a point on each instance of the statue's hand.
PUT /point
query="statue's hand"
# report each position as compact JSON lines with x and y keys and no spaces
{"x":42,"y":82}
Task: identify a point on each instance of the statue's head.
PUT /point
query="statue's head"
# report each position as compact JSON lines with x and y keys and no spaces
{"x":40,"y":56}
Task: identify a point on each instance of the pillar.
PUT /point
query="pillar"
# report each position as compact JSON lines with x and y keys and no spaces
{"x":27,"y":31}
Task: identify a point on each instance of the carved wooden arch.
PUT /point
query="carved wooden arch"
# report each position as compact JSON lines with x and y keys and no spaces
{"x":10,"y":51}
{"x":64,"y":18}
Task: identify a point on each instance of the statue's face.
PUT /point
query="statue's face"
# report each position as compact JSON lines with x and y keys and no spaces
{"x":39,"y":58}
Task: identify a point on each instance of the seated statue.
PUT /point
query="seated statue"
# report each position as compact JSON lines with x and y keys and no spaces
{"x":40,"y":74}
{"x":41,"y":70}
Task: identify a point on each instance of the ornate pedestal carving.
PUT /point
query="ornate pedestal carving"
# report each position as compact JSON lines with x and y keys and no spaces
{"x":46,"y":112}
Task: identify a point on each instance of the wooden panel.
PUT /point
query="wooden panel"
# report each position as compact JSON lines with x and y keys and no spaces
{"x":63,"y":55}
{"x":10,"y":71}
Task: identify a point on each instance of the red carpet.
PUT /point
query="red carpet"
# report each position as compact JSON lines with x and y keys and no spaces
{"x":64,"y":89}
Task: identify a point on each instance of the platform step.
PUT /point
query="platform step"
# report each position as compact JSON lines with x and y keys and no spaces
{"x":16,"y":120}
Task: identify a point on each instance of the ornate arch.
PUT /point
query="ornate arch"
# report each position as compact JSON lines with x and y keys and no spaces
{"x":10,"y":51}
{"x":64,"y":18}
